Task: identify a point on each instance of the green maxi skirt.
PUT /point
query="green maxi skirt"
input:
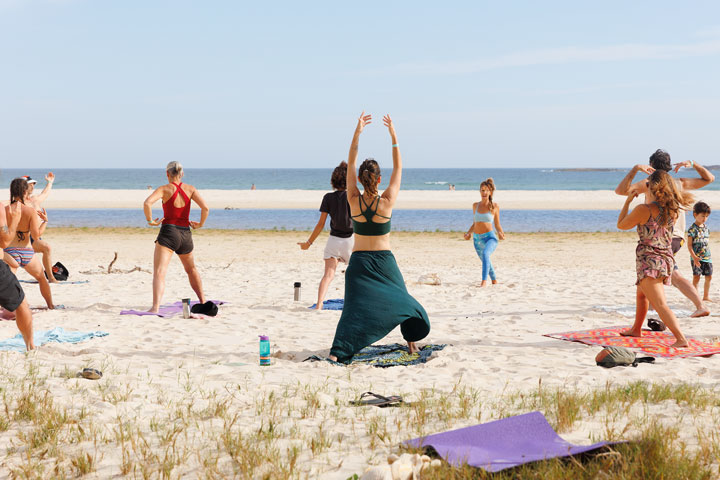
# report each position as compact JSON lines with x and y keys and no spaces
{"x":376,"y":301}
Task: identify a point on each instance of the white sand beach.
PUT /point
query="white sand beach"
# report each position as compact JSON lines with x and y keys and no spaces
{"x":172,"y":388}
{"x":408,"y":199}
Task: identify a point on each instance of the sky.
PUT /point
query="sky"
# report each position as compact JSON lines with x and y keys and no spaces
{"x":138,"y":83}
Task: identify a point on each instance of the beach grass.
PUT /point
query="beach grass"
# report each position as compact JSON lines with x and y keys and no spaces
{"x":295,"y":429}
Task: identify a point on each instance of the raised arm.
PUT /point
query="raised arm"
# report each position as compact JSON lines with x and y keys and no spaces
{"x":352,"y":189}
{"x":706,"y":177}
{"x":147,"y":206}
{"x":625,"y":185}
{"x":639,"y":215}
{"x":42,"y":196}
{"x":204,"y":210}
{"x":391,"y":192}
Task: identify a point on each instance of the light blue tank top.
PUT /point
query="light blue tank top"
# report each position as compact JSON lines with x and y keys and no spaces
{"x":483,"y":217}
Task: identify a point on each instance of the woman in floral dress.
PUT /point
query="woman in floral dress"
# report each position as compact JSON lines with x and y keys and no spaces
{"x":654,"y":258}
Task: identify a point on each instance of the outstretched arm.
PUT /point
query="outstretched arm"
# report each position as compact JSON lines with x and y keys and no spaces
{"x":204,"y":210}
{"x":42,"y":196}
{"x":391,"y":192}
{"x":706,"y":177}
{"x":626,"y":184}
{"x":147,"y":206}
{"x":318,"y":228}
{"x":352,"y":189}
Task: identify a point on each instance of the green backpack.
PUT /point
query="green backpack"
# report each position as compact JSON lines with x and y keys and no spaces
{"x":620,"y":357}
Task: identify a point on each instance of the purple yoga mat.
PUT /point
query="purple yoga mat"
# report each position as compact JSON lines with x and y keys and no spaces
{"x":502,"y":444}
{"x":168,"y":310}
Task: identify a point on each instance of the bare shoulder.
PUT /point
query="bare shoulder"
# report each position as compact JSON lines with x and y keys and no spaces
{"x":28,"y":210}
{"x":496,"y":207}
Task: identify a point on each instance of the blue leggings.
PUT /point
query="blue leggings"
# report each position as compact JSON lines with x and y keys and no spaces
{"x":485,"y":245}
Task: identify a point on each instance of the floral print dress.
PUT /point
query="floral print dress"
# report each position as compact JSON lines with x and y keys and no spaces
{"x":654,"y":257}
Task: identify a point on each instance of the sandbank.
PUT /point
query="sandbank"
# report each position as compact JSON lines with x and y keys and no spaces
{"x":408,"y":199}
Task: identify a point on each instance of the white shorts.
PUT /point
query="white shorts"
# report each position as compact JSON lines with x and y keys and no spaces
{"x":340,"y":248}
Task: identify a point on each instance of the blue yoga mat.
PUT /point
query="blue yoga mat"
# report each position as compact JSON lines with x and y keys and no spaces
{"x":66,"y":282}
{"x":334,"y":304}
{"x":502,"y":444}
{"x":393,"y":355}
{"x":57,"y":334}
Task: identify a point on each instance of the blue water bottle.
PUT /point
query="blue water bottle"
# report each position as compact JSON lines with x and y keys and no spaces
{"x":264,"y":350}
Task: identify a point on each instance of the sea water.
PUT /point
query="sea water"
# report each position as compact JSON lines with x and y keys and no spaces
{"x":319,"y":179}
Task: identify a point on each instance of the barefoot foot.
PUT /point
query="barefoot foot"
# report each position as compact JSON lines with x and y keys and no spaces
{"x":630,"y":333}
{"x":680,"y":344}
{"x":333,"y":358}
{"x":412,"y":348}
{"x":700,"y":312}
{"x":483,"y":284}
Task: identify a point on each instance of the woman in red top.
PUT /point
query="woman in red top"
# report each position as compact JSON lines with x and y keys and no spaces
{"x":175,"y":233}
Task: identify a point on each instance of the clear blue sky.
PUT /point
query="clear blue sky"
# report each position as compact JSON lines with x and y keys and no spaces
{"x":136,"y":83}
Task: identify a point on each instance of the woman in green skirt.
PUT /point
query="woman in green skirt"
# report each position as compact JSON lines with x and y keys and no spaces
{"x":376,"y":300}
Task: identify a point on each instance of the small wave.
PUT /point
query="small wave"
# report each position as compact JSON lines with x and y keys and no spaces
{"x":436,"y":183}
{"x":547,"y":171}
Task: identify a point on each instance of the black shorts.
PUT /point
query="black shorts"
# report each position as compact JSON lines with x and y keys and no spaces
{"x":177,"y":239}
{"x":677,"y":244}
{"x":11,"y":293}
{"x":704,"y":269}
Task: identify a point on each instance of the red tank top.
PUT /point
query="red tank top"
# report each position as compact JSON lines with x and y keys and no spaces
{"x":174,"y":215}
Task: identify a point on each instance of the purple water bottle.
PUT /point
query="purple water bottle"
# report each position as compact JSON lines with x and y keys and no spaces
{"x":264,"y":350}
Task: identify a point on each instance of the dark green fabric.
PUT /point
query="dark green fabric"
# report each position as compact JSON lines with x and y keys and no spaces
{"x":376,"y":301}
{"x":368,"y":227}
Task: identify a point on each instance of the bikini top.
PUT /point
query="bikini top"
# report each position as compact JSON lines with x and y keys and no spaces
{"x":368,"y":227}
{"x":178,"y":216}
{"x":483,"y":217}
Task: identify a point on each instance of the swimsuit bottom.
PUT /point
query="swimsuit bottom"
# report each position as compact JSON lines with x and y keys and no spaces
{"x":21,"y":255}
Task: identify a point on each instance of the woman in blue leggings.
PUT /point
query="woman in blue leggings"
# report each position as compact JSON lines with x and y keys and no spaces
{"x":485,"y":213}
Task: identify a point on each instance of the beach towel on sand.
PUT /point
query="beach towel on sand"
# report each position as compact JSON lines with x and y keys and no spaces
{"x":168,"y":310}
{"x":393,"y":355}
{"x":334,"y":304}
{"x":376,"y":301}
{"x":655,"y":344}
{"x":502,"y":444}
{"x":57,"y":334}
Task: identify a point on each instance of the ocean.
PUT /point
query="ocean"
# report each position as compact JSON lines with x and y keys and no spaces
{"x":319,"y":179}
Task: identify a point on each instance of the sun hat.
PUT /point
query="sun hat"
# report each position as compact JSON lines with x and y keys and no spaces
{"x":28,"y":179}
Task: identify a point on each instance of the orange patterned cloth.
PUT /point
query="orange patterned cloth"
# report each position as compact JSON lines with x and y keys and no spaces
{"x":655,"y":344}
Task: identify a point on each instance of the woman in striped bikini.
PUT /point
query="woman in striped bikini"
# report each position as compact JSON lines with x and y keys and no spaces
{"x":175,"y":235}
{"x":20,"y":252}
